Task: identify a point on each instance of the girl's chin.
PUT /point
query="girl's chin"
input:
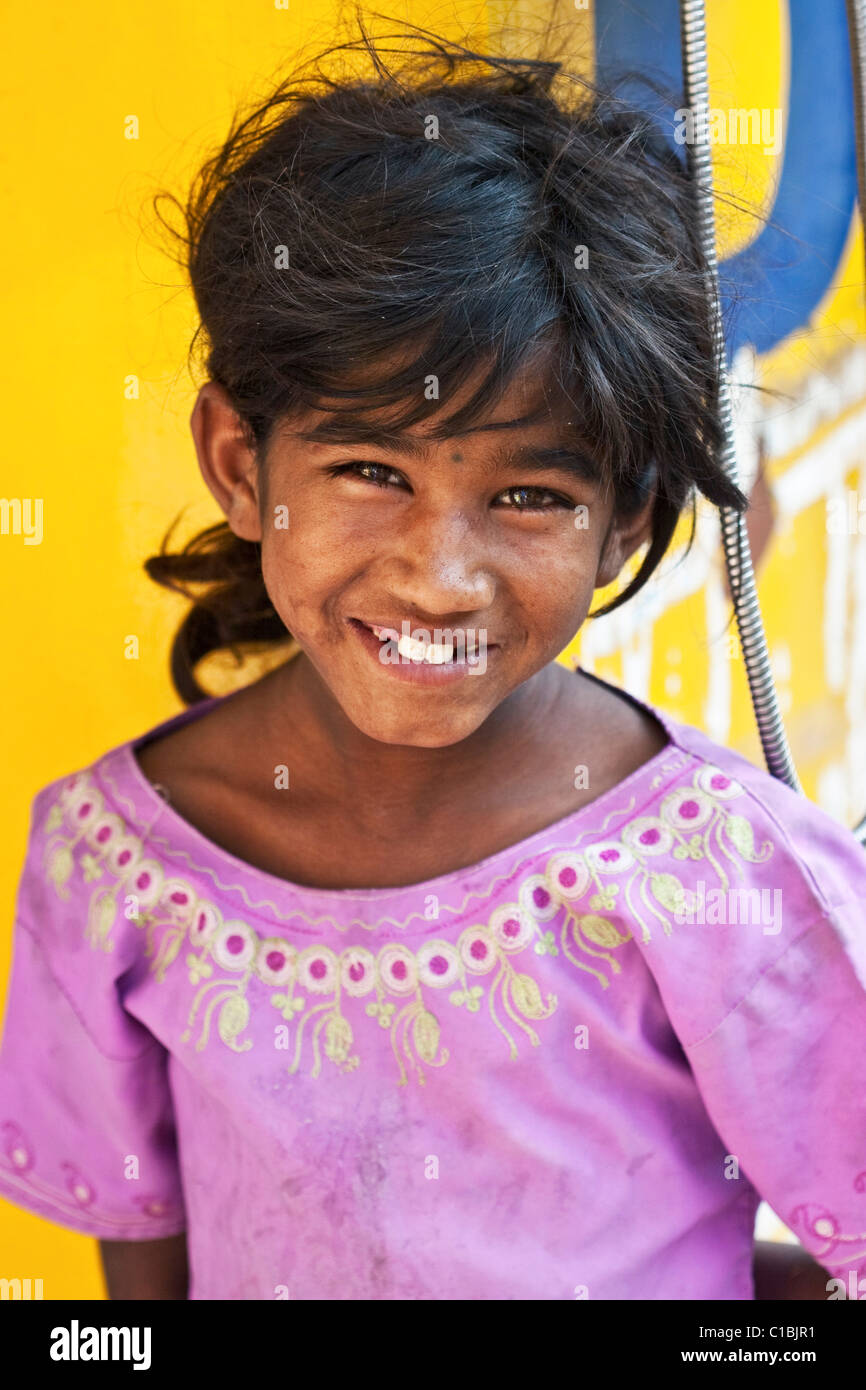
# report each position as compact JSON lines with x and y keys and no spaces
{"x":412,"y":728}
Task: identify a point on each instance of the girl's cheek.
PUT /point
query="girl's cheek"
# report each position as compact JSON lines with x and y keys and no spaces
{"x":565,"y":597}
{"x":283,"y":571}
{"x":300,"y":576}
{"x":316,"y":528}
{"x":560,"y":576}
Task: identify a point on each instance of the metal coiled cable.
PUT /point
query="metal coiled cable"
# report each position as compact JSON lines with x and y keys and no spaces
{"x":738,"y":558}
{"x":741,"y":574}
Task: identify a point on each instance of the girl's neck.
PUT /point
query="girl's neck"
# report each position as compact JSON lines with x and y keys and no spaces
{"x":298,"y":712}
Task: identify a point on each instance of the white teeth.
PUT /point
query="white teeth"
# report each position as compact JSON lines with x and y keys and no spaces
{"x":433,"y":653}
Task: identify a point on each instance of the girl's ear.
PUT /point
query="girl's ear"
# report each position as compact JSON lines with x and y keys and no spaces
{"x":227,"y":463}
{"x":625,"y":535}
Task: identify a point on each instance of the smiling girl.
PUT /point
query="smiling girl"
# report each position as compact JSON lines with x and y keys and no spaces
{"x":384,"y":977}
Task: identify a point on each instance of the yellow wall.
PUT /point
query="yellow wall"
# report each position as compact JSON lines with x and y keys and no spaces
{"x":92,"y":302}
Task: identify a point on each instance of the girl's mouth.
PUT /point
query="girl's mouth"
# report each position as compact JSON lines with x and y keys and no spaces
{"x":459,"y":652}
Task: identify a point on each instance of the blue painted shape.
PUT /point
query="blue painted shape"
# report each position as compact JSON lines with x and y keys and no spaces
{"x":772,"y":287}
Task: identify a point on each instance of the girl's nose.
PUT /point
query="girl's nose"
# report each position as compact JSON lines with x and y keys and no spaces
{"x":440,"y":565}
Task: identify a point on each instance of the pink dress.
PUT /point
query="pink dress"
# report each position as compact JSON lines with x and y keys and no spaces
{"x":568,"y":1071}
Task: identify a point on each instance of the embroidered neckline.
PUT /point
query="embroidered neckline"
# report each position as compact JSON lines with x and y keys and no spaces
{"x":523,"y":852}
{"x":149,"y":808}
{"x":580,"y":903}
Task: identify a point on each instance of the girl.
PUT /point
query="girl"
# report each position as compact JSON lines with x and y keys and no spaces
{"x":423,"y":967}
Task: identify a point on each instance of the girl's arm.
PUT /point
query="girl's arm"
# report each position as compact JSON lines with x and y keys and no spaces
{"x":146,"y":1268}
{"x":784,"y":1271}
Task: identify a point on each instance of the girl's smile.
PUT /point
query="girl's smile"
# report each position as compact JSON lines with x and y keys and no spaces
{"x":432,"y":663}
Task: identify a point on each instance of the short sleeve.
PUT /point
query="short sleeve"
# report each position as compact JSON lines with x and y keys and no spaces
{"x":783,"y":1079}
{"x":87,"y":1130}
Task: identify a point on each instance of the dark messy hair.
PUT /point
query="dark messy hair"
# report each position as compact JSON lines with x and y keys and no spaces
{"x":441,"y":206}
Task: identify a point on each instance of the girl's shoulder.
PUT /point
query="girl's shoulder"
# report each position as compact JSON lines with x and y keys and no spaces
{"x":747,"y":888}
{"x":705,"y":786}
{"x":809,"y":845}
{"x":91,"y":844}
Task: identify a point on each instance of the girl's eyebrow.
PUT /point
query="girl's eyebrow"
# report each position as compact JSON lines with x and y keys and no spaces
{"x":535,"y":459}
{"x":350,"y":429}
{"x":346,"y":427}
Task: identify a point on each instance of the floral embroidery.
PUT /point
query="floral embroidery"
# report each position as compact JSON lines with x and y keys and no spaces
{"x":816,"y":1224}
{"x":588,"y":896}
{"x":16,"y":1146}
{"x":20,"y":1153}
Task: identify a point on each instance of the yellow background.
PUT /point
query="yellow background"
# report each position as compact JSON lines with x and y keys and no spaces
{"x":92,"y":301}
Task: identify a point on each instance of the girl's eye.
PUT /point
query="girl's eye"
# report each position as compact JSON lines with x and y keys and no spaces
{"x":533,"y":494}
{"x":365,"y":471}
{"x":529,"y":499}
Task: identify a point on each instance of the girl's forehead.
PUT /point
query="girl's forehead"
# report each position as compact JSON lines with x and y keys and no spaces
{"x":529,"y":405}
{"x":349,"y":428}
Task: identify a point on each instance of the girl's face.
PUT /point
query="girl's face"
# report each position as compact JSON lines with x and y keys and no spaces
{"x":484,"y":549}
